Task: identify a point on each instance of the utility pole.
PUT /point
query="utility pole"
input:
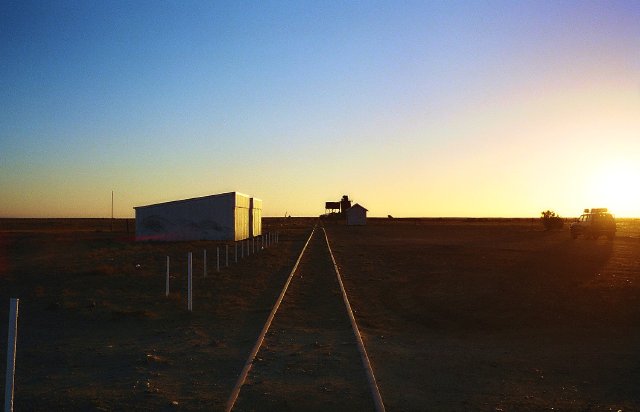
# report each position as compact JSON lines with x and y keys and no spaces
{"x":112,"y":210}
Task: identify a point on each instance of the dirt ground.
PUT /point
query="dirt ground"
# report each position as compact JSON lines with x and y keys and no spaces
{"x":482,"y":315}
{"x":456,"y":315}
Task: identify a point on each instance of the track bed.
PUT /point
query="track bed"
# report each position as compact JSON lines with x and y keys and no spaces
{"x":309,"y":359}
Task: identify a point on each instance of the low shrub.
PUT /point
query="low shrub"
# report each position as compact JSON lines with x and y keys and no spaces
{"x":550,"y":220}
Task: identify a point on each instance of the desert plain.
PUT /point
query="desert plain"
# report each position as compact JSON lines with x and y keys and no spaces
{"x":456,"y":314}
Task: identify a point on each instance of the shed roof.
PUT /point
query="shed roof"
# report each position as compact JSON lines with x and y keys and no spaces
{"x":195,"y":198}
{"x":358,"y":206}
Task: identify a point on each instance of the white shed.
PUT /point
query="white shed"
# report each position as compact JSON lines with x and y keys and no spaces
{"x":255,"y":217}
{"x":225,"y":216}
{"x":356,"y":215}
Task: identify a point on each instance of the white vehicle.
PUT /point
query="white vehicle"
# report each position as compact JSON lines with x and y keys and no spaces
{"x":594,"y":223}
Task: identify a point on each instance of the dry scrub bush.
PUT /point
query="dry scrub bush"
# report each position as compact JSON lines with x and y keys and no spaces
{"x":550,"y":220}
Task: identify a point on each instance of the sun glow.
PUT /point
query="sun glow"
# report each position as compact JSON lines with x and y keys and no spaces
{"x":615,"y":186}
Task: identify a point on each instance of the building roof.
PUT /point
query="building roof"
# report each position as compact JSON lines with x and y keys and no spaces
{"x":358,"y":206}
{"x":195,"y":198}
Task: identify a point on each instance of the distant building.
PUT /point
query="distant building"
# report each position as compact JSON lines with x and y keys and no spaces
{"x":331,"y":207}
{"x":356,"y":215}
{"x":345,"y":204}
{"x":338,"y":208}
{"x":226,"y":216}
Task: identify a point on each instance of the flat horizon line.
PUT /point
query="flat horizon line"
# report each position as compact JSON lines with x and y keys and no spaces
{"x":309,"y":217}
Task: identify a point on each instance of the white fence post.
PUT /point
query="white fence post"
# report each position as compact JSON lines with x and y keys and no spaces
{"x":190,"y":283}
{"x":204,"y":270}
{"x":166,"y":287}
{"x":11,"y":354}
{"x":217,"y":258}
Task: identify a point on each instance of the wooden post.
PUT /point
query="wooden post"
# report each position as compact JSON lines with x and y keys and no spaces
{"x":112,"y":210}
{"x":190,"y":283}
{"x":241,"y":249}
{"x":11,"y":354}
{"x":226,"y":256}
{"x":166,"y":289}
{"x":218,"y":259}
{"x":235,"y":255}
{"x":205,"y":264}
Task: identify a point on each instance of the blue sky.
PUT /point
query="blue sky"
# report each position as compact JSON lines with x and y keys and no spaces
{"x":412,"y":108}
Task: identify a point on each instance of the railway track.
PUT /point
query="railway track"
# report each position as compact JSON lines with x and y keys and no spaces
{"x":309,"y":354}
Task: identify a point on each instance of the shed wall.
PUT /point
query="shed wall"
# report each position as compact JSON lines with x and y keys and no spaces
{"x":356,"y":216}
{"x":255,"y":223}
{"x":241,"y":213}
{"x":218,"y":217}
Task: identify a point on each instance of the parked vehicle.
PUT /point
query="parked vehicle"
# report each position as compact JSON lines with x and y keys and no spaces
{"x":594,"y":223}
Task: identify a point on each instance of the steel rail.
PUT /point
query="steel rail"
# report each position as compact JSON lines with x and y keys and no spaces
{"x":375,"y":392}
{"x":247,"y":366}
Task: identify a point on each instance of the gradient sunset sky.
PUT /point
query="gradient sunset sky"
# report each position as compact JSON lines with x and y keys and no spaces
{"x":427,"y":108}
